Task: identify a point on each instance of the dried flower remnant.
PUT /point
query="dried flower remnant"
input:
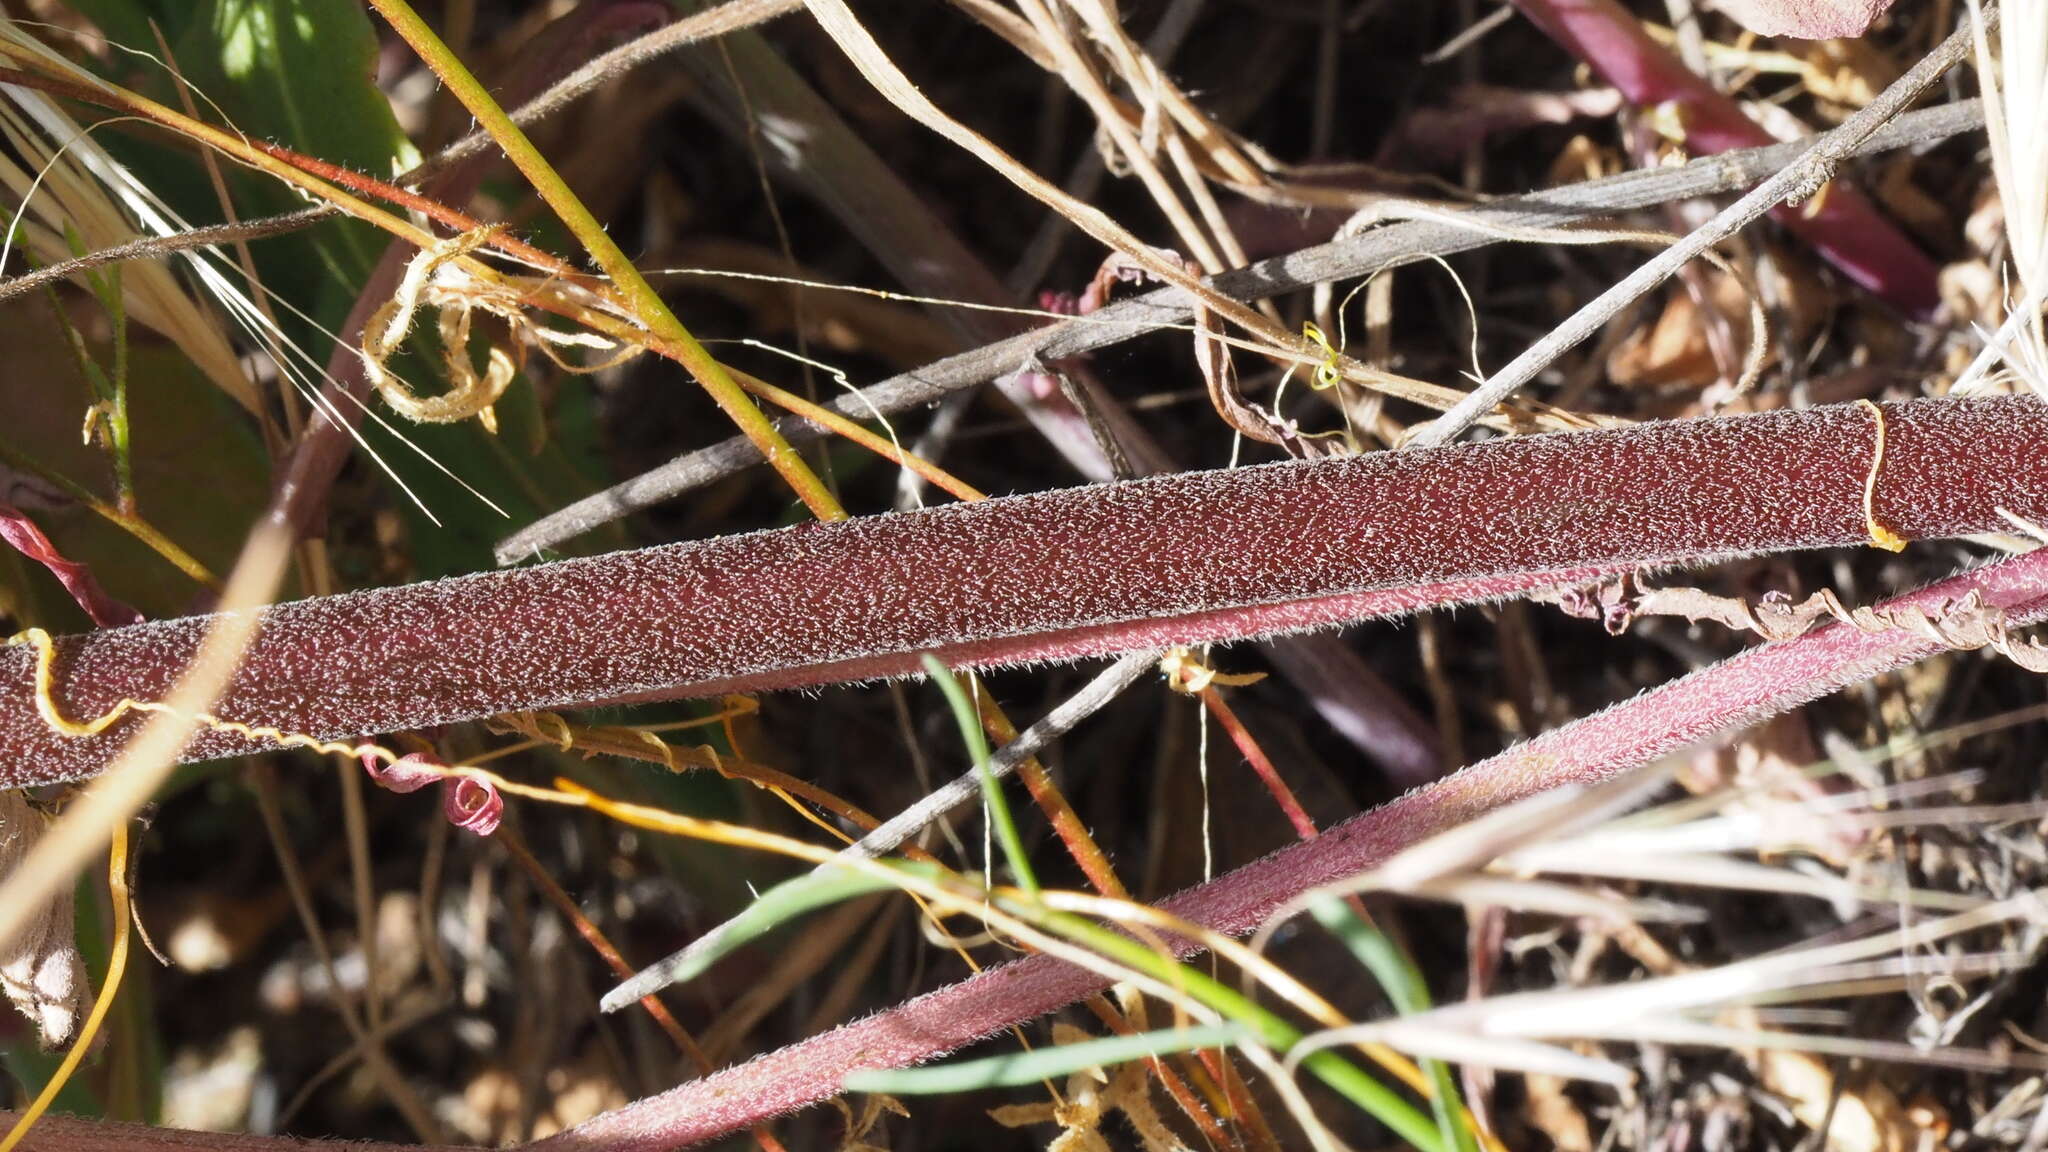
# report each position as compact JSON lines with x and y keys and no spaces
{"x":1091,"y":1095}
{"x":470,"y":803}
{"x":42,"y":972}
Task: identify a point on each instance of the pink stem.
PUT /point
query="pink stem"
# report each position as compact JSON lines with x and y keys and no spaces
{"x":1843,"y":226}
{"x":1082,"y":572}
{"x":1741,"y":690}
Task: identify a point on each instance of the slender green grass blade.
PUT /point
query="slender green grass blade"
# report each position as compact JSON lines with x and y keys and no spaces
{"x":1409,"y":993}
{"x":785,"y":901}
{"x":977,"y":746}
{"x":1012,"y":1068}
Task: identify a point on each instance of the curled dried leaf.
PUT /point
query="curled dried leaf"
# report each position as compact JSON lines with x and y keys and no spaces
{"x":21,"y":533}
{"x":41,"y":970}
{"x":1805,"y":19}
{"x":472,"y":805}
{"x":408,"y":773}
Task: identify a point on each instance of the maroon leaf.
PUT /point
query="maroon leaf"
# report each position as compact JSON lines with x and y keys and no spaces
{"x":1059,"y":575}
{"x":1841,"y":224}
{"x":21,"y":533}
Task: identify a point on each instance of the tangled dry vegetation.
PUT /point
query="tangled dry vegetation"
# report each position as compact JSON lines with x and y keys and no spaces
{"x":1023,"y":573}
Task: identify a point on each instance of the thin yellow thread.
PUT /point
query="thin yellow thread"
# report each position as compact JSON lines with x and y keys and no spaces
{"x":1880,"y":536}
{"x":46,"y":705}
{"x":117,"y":965}
{"x":565,"y":793}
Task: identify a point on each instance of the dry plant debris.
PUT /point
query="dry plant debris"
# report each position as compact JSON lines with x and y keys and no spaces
{"x":1609,"y":437}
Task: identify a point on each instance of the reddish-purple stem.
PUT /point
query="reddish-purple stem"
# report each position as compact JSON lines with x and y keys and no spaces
{"x":1745,"y":689}
{"x":1840,"y":223}
{"x":1059,"y":575}
{"x":813,"y":146}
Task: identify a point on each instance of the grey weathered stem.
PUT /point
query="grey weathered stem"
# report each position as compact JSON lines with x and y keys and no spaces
{"x":1814,"y":166}
{"x":1393,"y":245}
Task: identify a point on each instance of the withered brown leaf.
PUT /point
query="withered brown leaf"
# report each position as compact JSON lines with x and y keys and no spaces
{"x":41,"y":970}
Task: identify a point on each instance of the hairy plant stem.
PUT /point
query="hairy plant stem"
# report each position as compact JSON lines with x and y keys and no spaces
{"x":639,"y":295}
{"x":803,"y":140}
{"x":1745,"y":689}
{"x":69,"y":1134}
{"x":1092,"y":571}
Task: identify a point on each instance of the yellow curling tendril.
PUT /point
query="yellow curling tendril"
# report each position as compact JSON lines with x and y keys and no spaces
{"x":1880,"y":536}
{"x":46,"y":706}
{"x":548,"y":724}
{"x":1328,"y":374}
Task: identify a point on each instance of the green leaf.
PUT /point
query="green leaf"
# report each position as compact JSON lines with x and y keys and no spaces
{"x":1409,"y":992}
{"x":199,"y":470}
{"x":1012,"y":1068}
{"x":298,"y":71}
{"x":525,"y":483}
{"x":125,"y":22}
{"x":785,"y":901}
{"x":977,"y":746}
{"x":301,"y":73}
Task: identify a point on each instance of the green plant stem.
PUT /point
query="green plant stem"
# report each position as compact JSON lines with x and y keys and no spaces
{"x":645,"y":302}
{"x":991,"y":789}
{"x":1409,"y":994}
{"x":1353,"y":1082}
{"x":112,"y":387}
{"x":117,"y":420}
